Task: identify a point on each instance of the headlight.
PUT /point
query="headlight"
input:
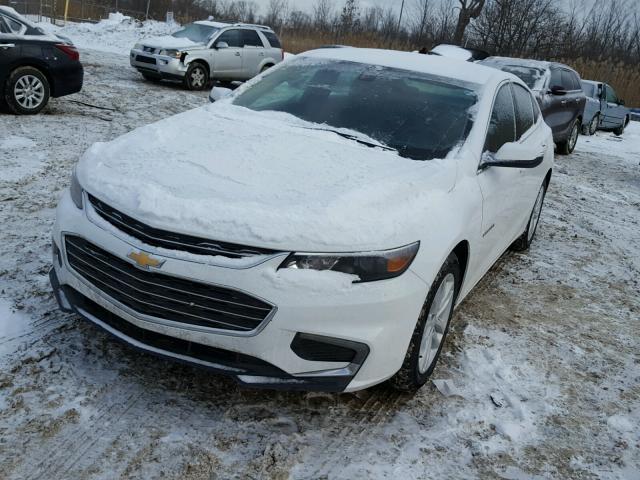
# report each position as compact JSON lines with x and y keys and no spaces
{"x":138,"y":46}
{"x":368,"y":266}
{"x":170,"y":53}
{"x":76,"y":190}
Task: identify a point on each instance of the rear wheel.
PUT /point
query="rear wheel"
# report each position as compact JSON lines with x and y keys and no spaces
{"x":620,"y":129}
{"x":431,"y":330}
{"x":567,"y":146}
{"x":524,"y":241}
{"x":592,"y":127}
{"x":197,"y":77}
{"x":27,"y":91}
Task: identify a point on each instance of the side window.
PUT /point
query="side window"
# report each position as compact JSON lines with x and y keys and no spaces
{"x":536,"y":109}
{"x":556,"y":79}
{"x":234,"y":38}
{"x":13,"y":26}
{"x":502,"y":124}
{"x":524,"y":109}
{"x":251,"y":38}
{"x":567,"y":80}
{"x":273,"y":40}
{"x":3,"y":26}
{"x":611,"y":95}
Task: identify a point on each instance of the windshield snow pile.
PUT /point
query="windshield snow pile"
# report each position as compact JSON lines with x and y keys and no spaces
{"x":263,"y":179}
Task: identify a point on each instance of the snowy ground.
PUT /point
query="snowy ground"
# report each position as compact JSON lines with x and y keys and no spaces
{"x":540,"y":377}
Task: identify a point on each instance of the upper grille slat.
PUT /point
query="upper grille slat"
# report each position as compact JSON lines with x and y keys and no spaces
{"x":171,"y":240}
{"x":157,"y":295}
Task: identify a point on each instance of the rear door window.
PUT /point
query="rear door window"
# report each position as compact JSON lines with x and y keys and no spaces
{"x":502,"y":126}
{"x":272,"y":39}
{"x":523,"y":109}
{"x":251,"y":39}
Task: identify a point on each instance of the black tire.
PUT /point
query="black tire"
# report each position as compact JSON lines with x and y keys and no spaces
{"x":620,"y":130}
{"x":567,"y":146}
{"x":197,"y":77}
{"x":592,"y":127}
{"x":265,"y":68}
{"x":525,"y":240}
{"x":27,"y":91}
{"x":409,"y":378}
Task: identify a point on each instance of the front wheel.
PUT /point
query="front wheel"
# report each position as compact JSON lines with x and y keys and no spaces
{"x":27,"y":91}
{"x":567,"y":146}
{"x":620,"y":130}
{"x":431,"y":329}
{"x":197,"y":77}
{"x":524,"y":241}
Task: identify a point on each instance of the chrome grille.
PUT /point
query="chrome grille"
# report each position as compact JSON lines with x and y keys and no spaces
{"x":162,"y":296}
{"x":171,"y":240}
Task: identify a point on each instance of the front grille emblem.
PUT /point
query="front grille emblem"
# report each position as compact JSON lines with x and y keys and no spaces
{"x":144,"y":260}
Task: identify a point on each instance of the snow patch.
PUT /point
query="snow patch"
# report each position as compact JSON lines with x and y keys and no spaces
{"x":19,"y":158}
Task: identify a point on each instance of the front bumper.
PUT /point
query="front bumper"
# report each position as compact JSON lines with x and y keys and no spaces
{"x":158,"y":66}
{"x":374,"y":319}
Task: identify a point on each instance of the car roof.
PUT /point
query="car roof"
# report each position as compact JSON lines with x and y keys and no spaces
{"x":523,"y":62}
{"x":430,"y":64}
{"x":210,"y":23}
{"x":592,"y":82}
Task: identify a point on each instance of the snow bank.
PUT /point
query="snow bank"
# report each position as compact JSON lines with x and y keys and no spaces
{"x":117,"y":34}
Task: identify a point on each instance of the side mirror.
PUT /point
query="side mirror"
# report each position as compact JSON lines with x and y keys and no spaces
{"x":221,"y":45}
{"x":558,"y":90}
{"x":512,"y":155}
{"x":218,"y":93}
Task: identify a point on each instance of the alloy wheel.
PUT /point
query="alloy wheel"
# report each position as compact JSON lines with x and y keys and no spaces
{"x":436,"y":323}
{"x":573,"y":139}
{"x":197,"y":77}
{"x":593,"y":125}
{"x":29,"y":92}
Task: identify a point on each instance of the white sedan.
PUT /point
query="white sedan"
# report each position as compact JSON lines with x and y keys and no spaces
{"x":316,"y":228}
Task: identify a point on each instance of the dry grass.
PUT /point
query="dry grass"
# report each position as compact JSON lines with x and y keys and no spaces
{"x":624,"y":78}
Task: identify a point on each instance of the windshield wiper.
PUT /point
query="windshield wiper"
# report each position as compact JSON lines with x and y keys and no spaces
{"x":355,"y":138}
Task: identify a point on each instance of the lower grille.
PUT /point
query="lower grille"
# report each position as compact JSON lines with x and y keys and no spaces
{"x":162,"y":296}
{"x":143,"y":59}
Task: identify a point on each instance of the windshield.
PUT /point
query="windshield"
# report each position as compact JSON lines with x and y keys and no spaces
{"x":196,"y":32}
{"x":530,"y":75}
{"x":421,"y":116}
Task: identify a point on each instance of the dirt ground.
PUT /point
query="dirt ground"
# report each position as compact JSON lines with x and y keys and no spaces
{"x":540,"y":377}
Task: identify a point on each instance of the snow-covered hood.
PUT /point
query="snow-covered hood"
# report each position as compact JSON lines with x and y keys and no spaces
{"x":262,"y":179}
{"x":170,"y":42}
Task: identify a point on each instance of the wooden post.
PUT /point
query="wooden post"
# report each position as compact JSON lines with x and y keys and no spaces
{"x":66,"y":10}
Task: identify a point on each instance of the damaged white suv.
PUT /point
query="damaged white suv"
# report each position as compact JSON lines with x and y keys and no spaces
{"x":208,"y":50}
{"x":315,"y":229}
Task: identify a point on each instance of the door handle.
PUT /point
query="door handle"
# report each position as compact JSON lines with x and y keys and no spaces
{"x":261,"y":54}
{"x":237,"y":54}
{"x":563,"y":102}
{"x":4,"y":46}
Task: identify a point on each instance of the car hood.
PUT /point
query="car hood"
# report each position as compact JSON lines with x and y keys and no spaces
{"x":170,"y":42}
{"x":264,"y":179}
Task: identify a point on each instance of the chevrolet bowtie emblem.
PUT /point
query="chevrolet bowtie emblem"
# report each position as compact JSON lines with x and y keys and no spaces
{"x":144,"y":260}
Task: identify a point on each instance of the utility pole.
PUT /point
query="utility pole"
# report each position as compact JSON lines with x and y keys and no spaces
{"x":400,"y":16}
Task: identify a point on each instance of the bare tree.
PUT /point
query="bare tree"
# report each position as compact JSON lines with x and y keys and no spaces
{"x":469,"y":9}
{"x":323,"y":14}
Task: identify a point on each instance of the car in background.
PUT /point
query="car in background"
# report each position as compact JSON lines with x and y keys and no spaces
{"x":558,"y":91}
{"x":461,"y":53}
{"x":34,"y":65}
{"x":312,"y":230}
{"x":634,"y":114}
{"x":604,"y":110}
{"x":207,"y":50}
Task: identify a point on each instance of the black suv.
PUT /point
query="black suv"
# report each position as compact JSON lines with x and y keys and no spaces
{"x":34,"y":65}
{"x":558,"y":91}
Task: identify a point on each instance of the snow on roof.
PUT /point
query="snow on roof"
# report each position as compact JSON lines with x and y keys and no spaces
{"x":209,"y":23}
{"x":524,"y":62}
{"x":452,"y":51}
{"x":430,"y":64}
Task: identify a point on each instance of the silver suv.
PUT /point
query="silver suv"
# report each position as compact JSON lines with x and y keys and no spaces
{"x":205,"y":50}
